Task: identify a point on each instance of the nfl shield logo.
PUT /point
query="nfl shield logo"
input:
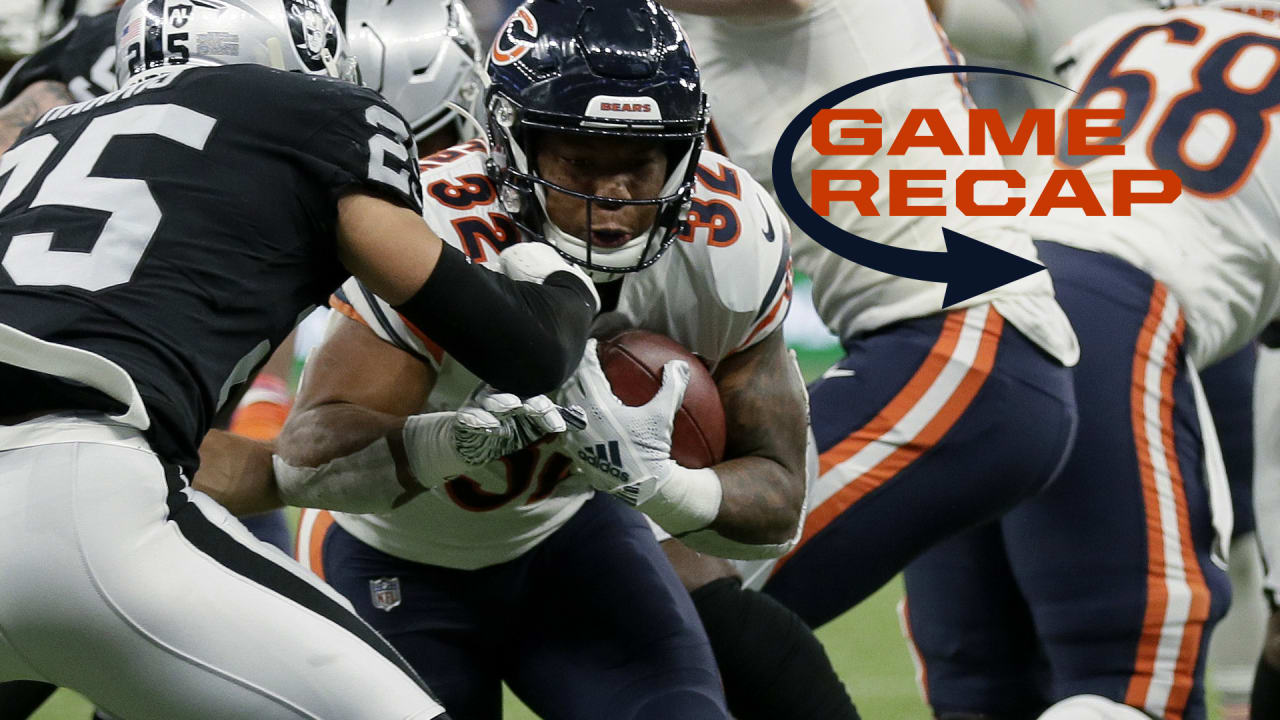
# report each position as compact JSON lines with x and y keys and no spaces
{"x":385,"y":593}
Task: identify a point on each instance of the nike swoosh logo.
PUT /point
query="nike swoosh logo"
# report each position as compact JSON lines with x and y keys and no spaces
{"x":769,"y":235}
{"x":837,"y":372}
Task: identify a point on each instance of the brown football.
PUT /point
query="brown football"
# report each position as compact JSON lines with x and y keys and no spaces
{"x":633,"y":360}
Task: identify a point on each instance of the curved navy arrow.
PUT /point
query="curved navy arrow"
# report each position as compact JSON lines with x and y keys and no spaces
{"x":968,"y":267}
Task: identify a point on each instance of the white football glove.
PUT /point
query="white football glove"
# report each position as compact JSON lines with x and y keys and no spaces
{"x":490,"y":424}
{"x":534,"y":261}
{"x":437,"y":447}
{"x":623,"y":450}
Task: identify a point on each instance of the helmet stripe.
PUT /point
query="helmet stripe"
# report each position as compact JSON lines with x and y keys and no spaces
{"x":153,"y":41}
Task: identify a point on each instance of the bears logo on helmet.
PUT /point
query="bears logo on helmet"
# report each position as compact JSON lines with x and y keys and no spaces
{"x":508,"y":46}
{"x":620,"y":69}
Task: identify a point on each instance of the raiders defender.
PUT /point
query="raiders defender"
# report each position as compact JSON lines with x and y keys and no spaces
{"x":156,"y":243}
{"x":1138,"y":523}
{"x":572,"y":153}
{"x":78,"y":64}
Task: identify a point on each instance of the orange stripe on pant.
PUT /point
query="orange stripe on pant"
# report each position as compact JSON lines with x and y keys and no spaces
{"x":1156,"y":615}
{"x":1157,"y":595}
{"x":893,"y":413}
{"x":315,"y":541}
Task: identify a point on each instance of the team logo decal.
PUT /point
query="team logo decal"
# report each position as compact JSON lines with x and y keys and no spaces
{"x":385,"y":593}
{"x":515,"y":39}
{"x":639,"y":107}
{"x":179,"y":16}
{"x":314,"y":31}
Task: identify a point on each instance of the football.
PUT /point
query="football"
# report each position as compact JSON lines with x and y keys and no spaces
{"x":633,"y":360}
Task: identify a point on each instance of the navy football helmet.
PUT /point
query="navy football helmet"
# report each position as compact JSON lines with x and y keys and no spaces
{"x":619,"y":68}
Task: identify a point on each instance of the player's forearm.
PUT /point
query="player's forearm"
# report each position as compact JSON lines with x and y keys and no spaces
{"x":28,"y":106}
{"x":758,"y":505}
{"x":236,"y":471}
{"x":739,"y":8}
{"x":766,"y":428}
{"x":347,"y":458}
{"x":521,"y":337}
{"x":322,"y":433}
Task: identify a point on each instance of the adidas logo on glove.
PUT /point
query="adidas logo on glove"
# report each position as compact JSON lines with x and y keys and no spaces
{"x":606,"y":457}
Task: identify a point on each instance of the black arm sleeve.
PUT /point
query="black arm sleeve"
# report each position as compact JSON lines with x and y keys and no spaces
{"x":520,"y":337}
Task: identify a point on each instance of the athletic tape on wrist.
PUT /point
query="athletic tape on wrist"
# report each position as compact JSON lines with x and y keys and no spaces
{"x":689,"y":500}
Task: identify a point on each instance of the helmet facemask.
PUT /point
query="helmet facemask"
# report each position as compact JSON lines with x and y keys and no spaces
{"x":622,"y":71}
{"x":526,"y":194}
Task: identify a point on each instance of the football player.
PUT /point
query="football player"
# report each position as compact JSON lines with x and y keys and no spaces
{"x":935,"y":420}
{"x":78,"y":64}
{"x":746,"y":629}
{"x":1228,"y":383}
{"x":598,"y":156}
{"x":1118,"y":567}
{"x":158,"y":242}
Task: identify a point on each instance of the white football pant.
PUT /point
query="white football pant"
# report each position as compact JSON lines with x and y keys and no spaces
{"x":155,"y":603}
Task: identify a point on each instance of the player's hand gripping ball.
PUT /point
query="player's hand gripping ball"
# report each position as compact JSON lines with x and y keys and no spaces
{"x":636,"y":389}
{"x":633,"y":361}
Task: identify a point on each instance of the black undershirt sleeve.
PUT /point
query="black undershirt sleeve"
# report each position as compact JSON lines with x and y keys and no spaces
{"x":520,"y":337}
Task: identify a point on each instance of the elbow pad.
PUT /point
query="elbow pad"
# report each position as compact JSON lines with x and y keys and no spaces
{"x":520,"y":336}
{"x":713,"y":543}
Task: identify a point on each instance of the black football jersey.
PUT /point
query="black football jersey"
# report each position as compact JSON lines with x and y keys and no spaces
{"x":181,"y":230}
{"x":82,"y":55}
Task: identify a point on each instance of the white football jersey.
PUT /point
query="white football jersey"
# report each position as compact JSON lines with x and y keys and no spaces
{"x":759,"y":74}
{"x":719,"y":289}
{"x":1202,"y":86}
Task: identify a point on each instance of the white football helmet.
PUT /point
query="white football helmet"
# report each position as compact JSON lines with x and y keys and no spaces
{"x":154,"y":37}
{"x":422,"y":55}
{"x":1265,"y":9}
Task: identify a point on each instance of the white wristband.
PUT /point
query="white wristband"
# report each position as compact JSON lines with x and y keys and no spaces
{"x":689,"y":500}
